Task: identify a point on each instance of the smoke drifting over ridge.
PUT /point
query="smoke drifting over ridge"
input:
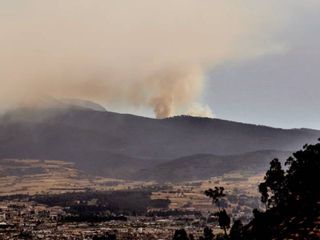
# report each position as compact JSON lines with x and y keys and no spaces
{"x":149,"y":54}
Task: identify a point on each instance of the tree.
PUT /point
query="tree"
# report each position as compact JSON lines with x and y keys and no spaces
{"x":272,"y":189}
{"x":292,"y":198}
{"x":223,"y":218}
{"x":208,"y":234}
{"x":191,"y":237}
{"x":215,"y":195}
{"x":303,"y":176}
{"x":236,"y":230}
{"x":263,"y":189}
{"x":180,"y":234}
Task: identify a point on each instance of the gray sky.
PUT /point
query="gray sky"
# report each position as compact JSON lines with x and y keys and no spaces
{"x":253,"y":61}
{"x":281,"y":89}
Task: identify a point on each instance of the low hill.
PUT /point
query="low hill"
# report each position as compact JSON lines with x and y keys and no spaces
{"x":204,"y":166}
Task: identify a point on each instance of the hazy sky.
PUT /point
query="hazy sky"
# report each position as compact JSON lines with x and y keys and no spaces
{"x":281,"y":89}
{"x":244,"y":60}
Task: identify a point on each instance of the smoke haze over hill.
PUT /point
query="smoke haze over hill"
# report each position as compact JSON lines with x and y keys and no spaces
{"x":148,"y":54}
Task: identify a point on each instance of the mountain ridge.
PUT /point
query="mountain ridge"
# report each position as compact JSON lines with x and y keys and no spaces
{"x":107,"y":143}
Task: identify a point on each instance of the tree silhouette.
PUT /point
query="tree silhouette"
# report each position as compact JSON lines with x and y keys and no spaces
{"x":236,"y":230}
{"x":272,"y":189}
{"x":208,"y":234}
{"x":292,"y":198}
{"x":216,"y":195}
{"x":180,"y":234}
{"x":106,"y":237}
{"x":263,"y":189}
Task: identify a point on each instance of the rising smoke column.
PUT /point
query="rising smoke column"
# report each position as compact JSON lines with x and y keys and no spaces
{"x":174,"y":88}
{"x":149,"y":54}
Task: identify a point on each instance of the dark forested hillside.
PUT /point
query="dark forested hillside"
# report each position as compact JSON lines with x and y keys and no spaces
{"x":117,"y":145}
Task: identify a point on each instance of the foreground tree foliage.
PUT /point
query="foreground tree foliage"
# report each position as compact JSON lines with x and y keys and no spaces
{"x":180,"y":234}
{"x":292,"y":198}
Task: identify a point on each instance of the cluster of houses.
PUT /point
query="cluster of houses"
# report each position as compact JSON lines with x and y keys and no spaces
{"x":27,"y":219}
{"x":31,"y":220}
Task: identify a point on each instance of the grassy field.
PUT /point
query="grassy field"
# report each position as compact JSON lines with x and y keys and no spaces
{"x":39,"y":177}
{"x":190,"y":195}
{"x":35,"y":176}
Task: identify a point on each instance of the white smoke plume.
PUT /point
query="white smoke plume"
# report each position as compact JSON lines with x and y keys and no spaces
{"x":144,"y":53}
{"x":197,"y":110}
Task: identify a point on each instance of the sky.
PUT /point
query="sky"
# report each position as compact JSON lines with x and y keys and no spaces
{"x":280,"y":89}
{"x":244,"y":60}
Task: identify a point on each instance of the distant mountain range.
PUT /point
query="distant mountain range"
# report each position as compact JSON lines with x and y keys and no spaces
{"x":128,"y":146}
